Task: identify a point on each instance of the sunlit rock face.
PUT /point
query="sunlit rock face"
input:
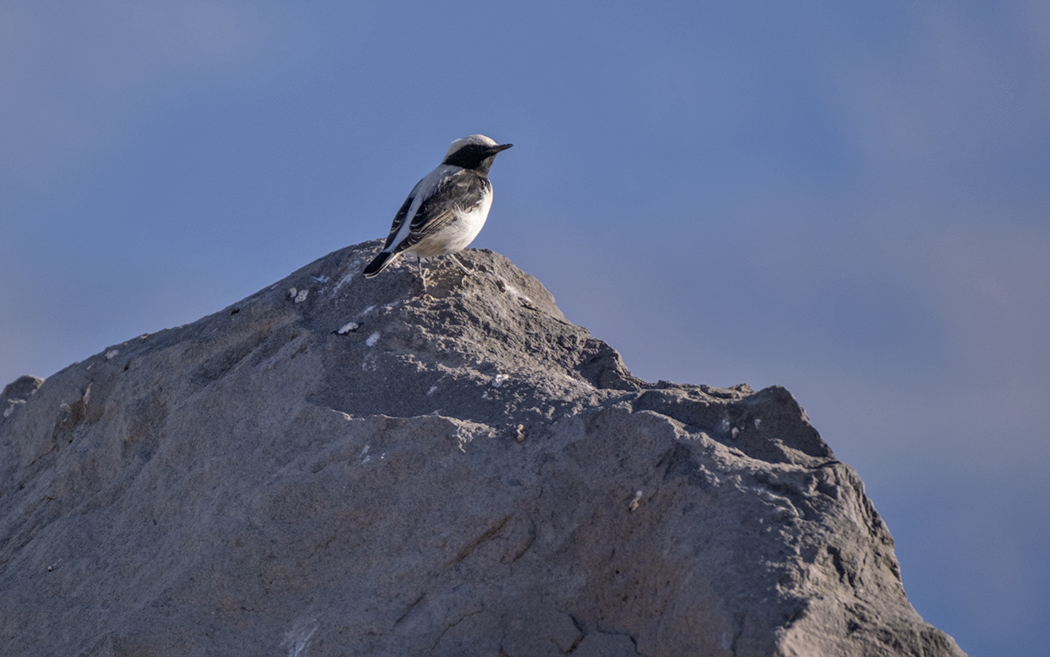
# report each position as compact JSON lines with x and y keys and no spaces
{"x":341,"y":466}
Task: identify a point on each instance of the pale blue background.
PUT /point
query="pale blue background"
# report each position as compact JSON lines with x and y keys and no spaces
{"x":848,"y":199}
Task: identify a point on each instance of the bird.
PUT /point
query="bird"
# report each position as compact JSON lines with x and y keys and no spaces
{"x":446,"y":210}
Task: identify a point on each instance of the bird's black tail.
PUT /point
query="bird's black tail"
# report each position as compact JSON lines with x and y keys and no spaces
{"x":378,"y":264}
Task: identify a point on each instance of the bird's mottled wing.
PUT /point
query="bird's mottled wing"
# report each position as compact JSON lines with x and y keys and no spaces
{"x":399,"y":220}
{"x":458,"y":193}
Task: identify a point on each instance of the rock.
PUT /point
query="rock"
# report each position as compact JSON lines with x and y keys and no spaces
{"x":16,"y":393}
{"x":462,"y":474}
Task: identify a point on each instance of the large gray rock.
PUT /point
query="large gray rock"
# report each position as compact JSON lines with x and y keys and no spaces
{"x":341,"y":466}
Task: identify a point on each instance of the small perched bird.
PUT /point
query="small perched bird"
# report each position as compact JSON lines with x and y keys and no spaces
{"x":445,"y":211}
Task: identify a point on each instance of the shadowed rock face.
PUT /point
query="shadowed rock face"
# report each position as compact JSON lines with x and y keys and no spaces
{"x":339,"y":466}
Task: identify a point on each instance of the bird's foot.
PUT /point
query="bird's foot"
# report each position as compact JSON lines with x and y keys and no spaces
{"x":466,"y":271}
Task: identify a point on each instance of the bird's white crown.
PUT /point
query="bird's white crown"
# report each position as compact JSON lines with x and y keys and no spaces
{"x":466,"y":141}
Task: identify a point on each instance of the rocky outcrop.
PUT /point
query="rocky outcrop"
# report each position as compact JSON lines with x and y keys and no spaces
{"x":341,"y":466}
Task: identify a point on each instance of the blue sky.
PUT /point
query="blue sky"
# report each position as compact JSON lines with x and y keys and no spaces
{"x":848,"y":200}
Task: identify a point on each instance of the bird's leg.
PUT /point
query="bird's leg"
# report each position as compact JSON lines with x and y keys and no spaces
{"x":456,"y":260}
{"x":423,"y":273}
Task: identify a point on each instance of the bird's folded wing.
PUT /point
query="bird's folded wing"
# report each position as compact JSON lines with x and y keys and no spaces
{"x":399,"y":220}
{"x":458,"y":193}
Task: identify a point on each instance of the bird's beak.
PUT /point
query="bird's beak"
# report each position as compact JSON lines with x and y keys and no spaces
{"x":500,"y":147}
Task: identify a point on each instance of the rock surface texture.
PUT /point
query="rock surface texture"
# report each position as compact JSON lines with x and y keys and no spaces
{"x":340,"y":466}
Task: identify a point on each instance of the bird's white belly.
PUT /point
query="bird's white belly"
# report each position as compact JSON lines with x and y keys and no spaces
{"x":458,"y":234}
